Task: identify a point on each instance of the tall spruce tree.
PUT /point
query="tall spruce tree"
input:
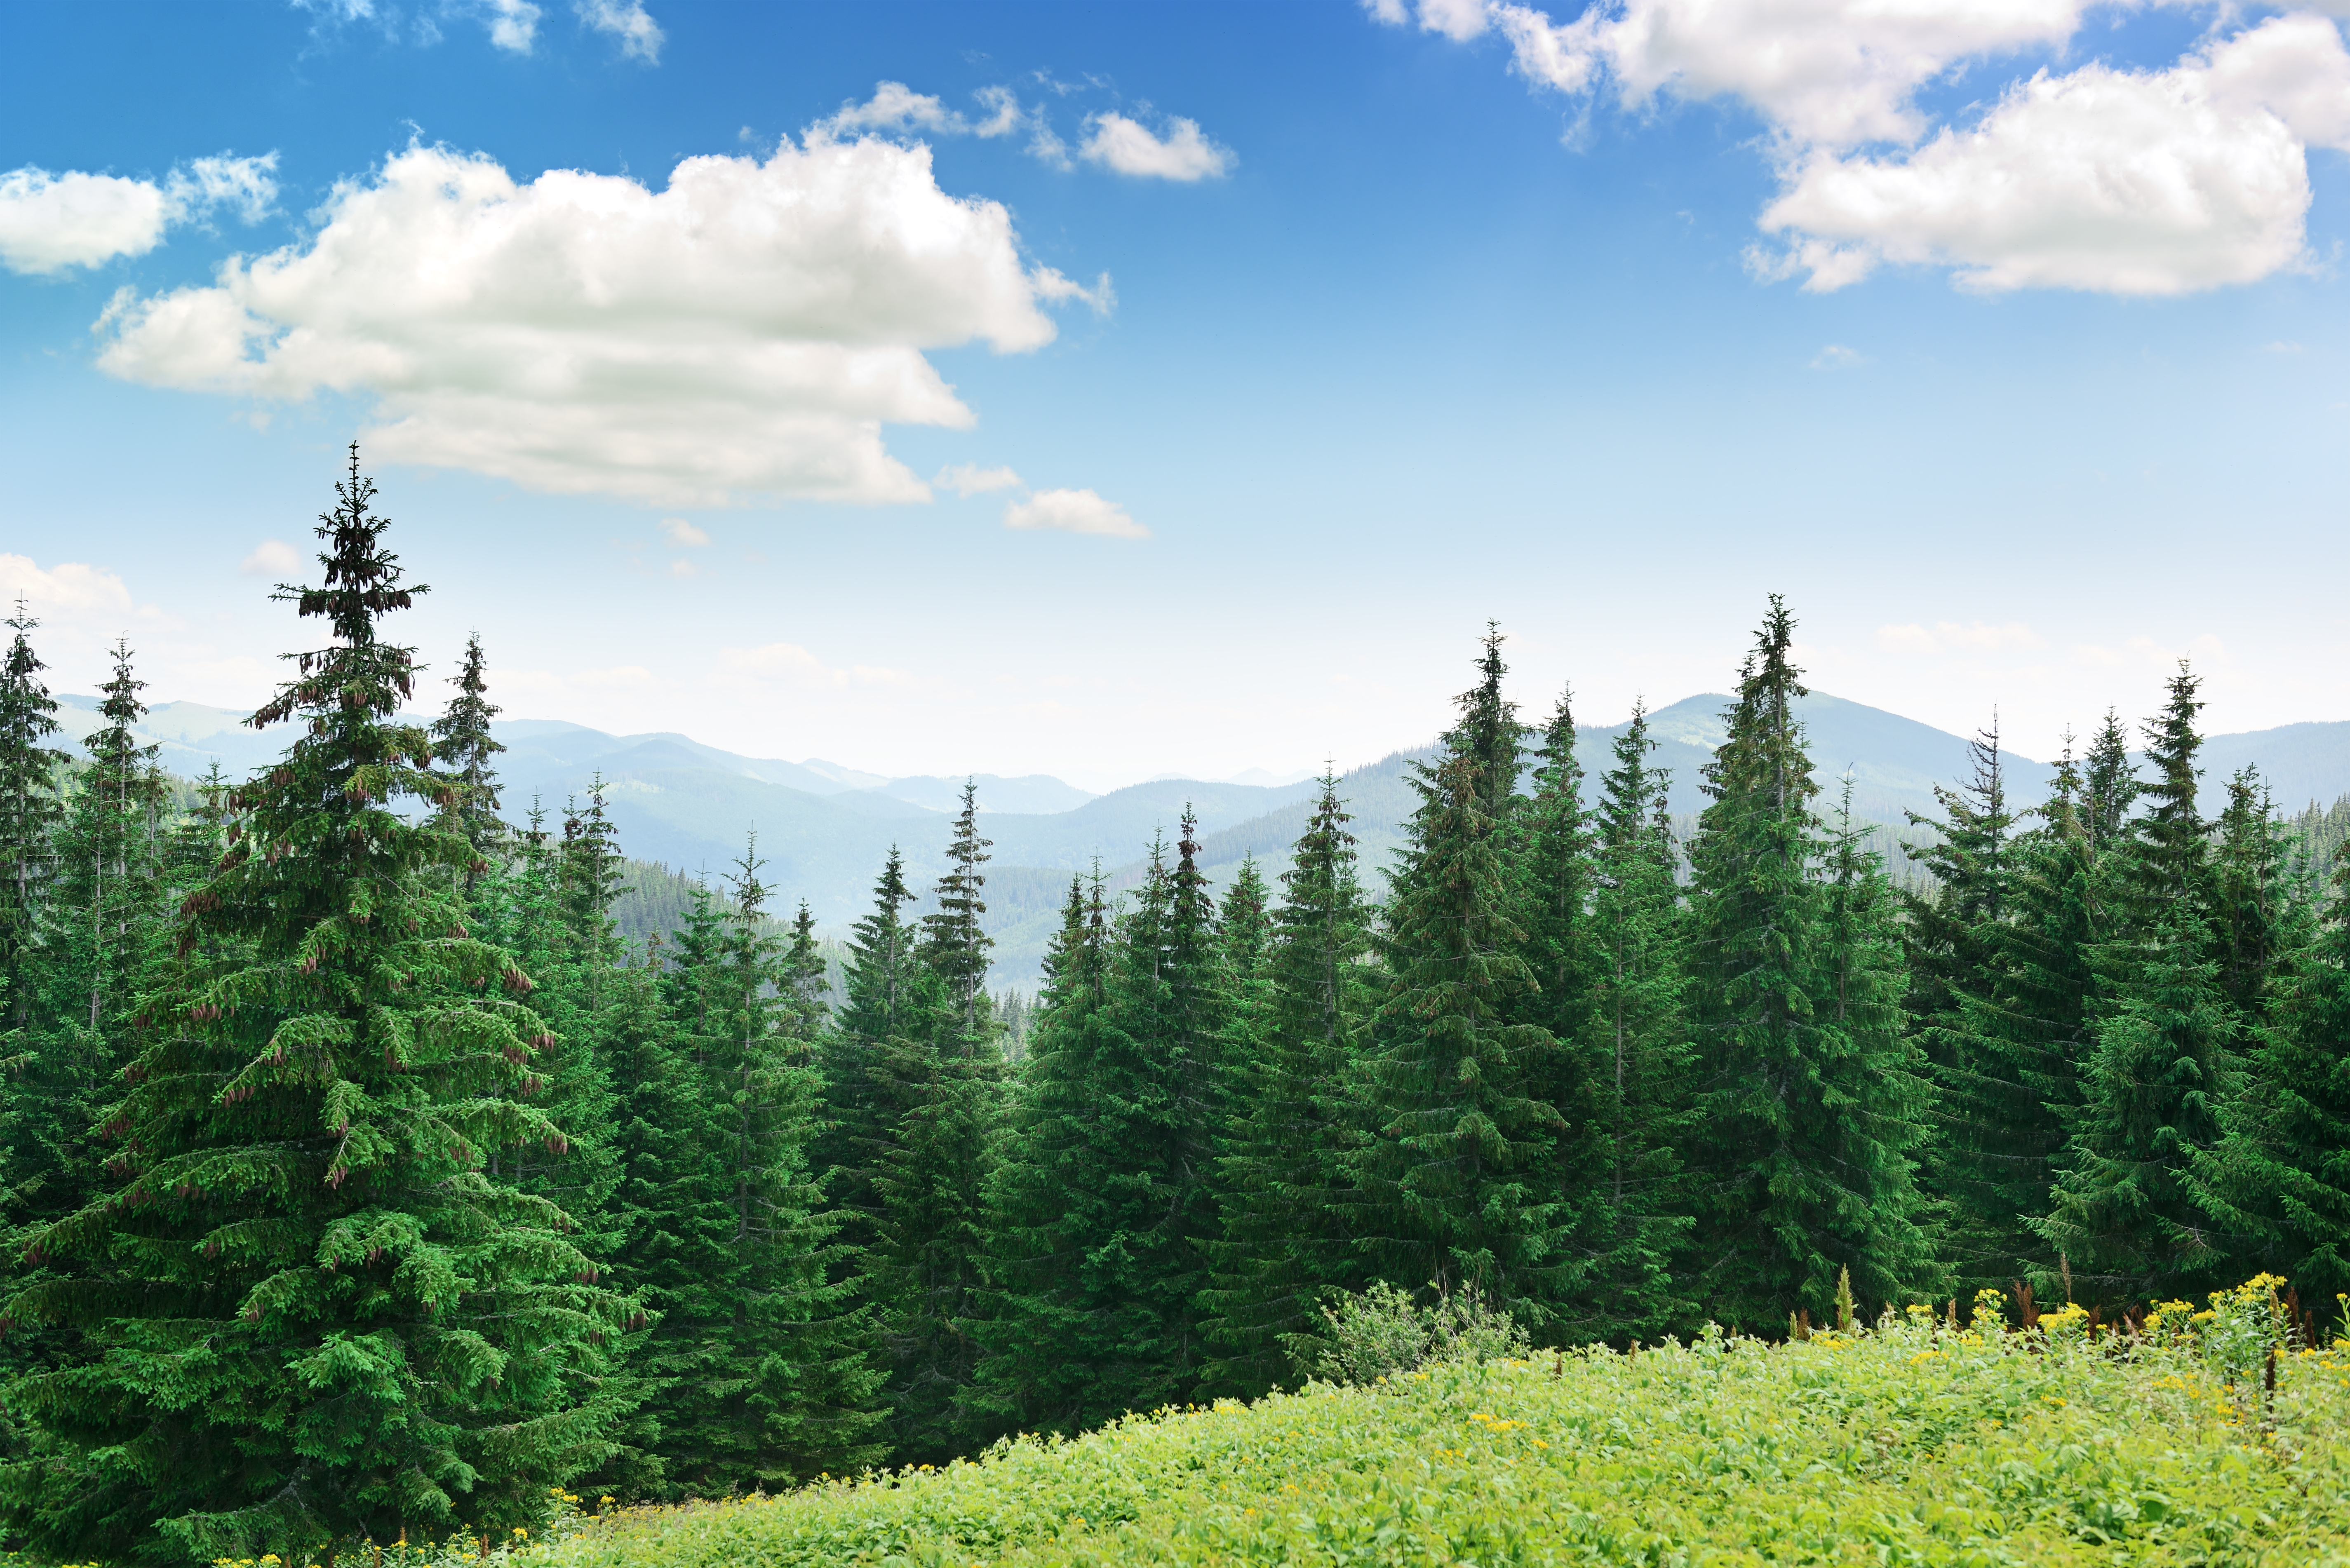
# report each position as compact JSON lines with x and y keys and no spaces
{"x":468,"y":750}
{"x":887,"y":993}
{"x":955,"y":943}
{"x":1286,"y":1241}
{"x":1633,"y":1034}
{"x":1457,"y":1184}
{"x":762,"y":1352}
{"x":2261,"y":908}
{"x":1101,"y":1208}
{"x":1810,"y":1104}
{"x":2012,"y":1051}
{"x":2126,"y":1218}
{"x":30,"y":808}
{"x":317,"y":1319}
{"x":2279,"y":1178}
{"x":1954,"y":936}
{"x":102,"y":934}
{"x":928,"y":1072}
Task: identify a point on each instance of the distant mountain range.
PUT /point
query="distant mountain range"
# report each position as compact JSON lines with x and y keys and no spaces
{"x":822,"y":828}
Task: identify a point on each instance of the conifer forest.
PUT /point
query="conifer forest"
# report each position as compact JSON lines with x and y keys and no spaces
{"x":363,"y":1181}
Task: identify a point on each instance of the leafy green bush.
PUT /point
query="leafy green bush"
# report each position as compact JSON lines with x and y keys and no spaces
{"x":1909,"y":1443}
{"x":1383,"y":1332}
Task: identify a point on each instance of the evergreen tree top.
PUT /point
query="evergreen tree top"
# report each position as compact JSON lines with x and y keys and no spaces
{"x":2172,"y":831}
{"x":115,"y":748}
{"x":27,"y":714}
{"x":1489,"y":728}
{"x":362,"y":585}
{"x":1762,"y":761}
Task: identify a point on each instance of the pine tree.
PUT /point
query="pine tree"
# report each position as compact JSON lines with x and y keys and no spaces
{"x":463,"y":740}
{"x":1457,"y":1184}
{"x":2261,"y":913}
{"x":762,"y":1352}
{"x":2279,"y":1178}
{"x":1286,"y":1240}
{"x":1807,"y":1106}
{"x":101,"y":937}
{"x":1635,"y":1034}
{"x":2019,"y":1038}
{"x":955,"y":943}
{"x":1954,"y":937}
{"x":1101,"y":1208}
{"x":1245,"y":932}
{"x":920,"y":1090}
{"x":389,"y":1342}
{"x":29,"y":808}
{"x":888,"y":994}
{"x":2125,"y":1216}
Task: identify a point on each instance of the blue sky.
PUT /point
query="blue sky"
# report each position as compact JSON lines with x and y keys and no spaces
{"x":1137,"y":388}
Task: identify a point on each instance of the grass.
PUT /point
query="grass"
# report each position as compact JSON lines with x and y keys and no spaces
{"x":1908,"y":1443}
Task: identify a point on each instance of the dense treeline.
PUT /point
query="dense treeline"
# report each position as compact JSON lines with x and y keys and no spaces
{"x":364,"y":1175}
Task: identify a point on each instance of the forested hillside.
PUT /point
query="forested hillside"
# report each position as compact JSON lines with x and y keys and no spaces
{"x":367,"y":1175}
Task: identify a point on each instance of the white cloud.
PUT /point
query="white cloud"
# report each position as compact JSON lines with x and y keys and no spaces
{"x":52,"y":222}
{"x":1128,"y":147}
{"x":641,"y":37}
{"x":1394,"y":13}
{"x":513,"y":25}
{"x":967,"y":479}
{"x":71,"y":589}
{"x":270,"y":558}
{"x":246,"y":186}
{"x":2141,"y":183}
{"x":1836,"y":357}
{"x":2138,"y":182}
{"x":744,"y":332}
{"x":1074,"y":511}
{"x":1004,"y":114}
{"x":677,"y":531}
{"x":894,"y":105}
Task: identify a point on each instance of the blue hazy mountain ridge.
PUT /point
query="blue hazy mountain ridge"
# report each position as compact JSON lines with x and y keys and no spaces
{"x":824,"y":828}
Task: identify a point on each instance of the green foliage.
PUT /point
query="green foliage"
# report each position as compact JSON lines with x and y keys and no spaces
{"x":761,"y":1348}
{"x":2125,"y":1214}
{"x":467,"y":752}
{"x":1908,"y":1443}
{"x":1382,"y":1334}
{"x":312,"y":1316}
{"x":1634,"y":1038}
{"x":1456,"y":1180}
{"x":29,"y":808}
{"x":1813,"y":1102}
{"x":1101,"y":1208}
{"x":1287,"y":1149}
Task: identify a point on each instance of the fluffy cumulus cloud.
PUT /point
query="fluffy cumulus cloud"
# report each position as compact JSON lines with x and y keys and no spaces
{"x":1074,"y":511}
{"x":2149,"y":182}
{"x":49,"y":222}
{"x":1129,"y":147}
{"x":744,"y":332}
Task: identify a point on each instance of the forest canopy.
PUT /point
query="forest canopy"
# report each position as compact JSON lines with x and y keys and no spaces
{"x":364,"y":1179}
